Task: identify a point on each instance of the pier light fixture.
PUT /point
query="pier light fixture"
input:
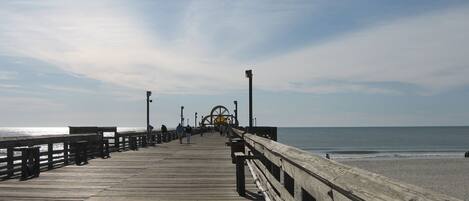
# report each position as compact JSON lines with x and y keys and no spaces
{"x":249,"y":75}
{"x":182,"y":115}
{"x":236,"y":112}
{"x":149,"y":127}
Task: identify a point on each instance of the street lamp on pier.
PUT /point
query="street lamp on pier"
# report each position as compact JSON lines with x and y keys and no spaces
{"x":249,"y":75}
{"x":236,"y":112}
{"x":182,"y":115}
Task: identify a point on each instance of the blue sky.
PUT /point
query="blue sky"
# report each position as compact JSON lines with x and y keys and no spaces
{"x":315,"y":63}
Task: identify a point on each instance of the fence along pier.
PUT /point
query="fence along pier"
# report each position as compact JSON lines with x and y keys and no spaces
{"x":125,"y":166}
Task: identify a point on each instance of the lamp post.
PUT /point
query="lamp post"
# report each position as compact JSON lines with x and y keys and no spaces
{"x":195,"y":121}
{"x":182,"y":115}
{"x":149,"y":128}
{"x":148,"y":110}
{"x":249,"y":75}
{"x":236,"y":112}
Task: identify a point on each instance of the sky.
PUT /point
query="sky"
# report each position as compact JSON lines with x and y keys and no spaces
{"x":315,"y":63}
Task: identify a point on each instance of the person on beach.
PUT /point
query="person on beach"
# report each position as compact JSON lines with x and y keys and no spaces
{"x":179,"y":132}
{"x":188,"y":133}
{"x":164,"y":133}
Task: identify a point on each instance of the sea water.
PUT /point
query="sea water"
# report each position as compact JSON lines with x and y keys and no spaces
{"x":379,"y":142}
{"x":38,"y":131}
{"x":341,"y":142}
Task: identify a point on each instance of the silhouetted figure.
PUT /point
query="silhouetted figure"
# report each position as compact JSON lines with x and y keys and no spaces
{"x":164,"y":132}
{"x":188,"y":133}
{"x":466,"y":155}
{"x":180,"y":132}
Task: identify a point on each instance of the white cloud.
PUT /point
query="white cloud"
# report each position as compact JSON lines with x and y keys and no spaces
{"x":8,"y":86}
{"x":428,"y":51}
{"x":69,"y":89}
{"x":107,"y":42}
{"x":8,"y":75}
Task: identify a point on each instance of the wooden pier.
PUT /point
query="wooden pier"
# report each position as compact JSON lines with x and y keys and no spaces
{"x":202,"y":170}
{"x":253,"y":167}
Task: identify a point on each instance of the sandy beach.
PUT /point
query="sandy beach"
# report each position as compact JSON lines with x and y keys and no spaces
{"x":449,"y":176}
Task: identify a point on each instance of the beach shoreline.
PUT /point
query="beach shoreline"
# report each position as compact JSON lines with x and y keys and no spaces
{"x":448,"y":176}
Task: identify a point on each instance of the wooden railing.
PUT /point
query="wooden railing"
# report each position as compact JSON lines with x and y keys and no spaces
{"x":289,"y":173}
{"x":25,"y":157}
{"x":45,"y":151}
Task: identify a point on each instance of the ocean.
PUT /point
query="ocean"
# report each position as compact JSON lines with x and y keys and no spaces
{"x":342,"y":142}
{"x":379,"y":142}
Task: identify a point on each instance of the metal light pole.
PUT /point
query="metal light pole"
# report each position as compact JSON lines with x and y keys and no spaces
{"x":195,"y":121}
{"x":148,"y":116}
{"x":236,"y":112}
{"x":182,"y":115}
{"x":255,"y":121}
{"x":249,"y":75}
{"x":148,"y":111}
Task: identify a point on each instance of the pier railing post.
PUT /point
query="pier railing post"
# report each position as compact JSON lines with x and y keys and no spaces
{"x":133,"y":143}
{"x":81,"y":152}
{"x":66,"y":153}
{"x":240,"y":177}
{"x":237,"y":145}
{"x":30,"y":166}
{"x":50,"y":151}
{"x":158,"y":137}
{"x":10,"y":155}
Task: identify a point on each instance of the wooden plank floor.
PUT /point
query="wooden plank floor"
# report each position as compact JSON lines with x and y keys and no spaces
{"x":201,"y":170}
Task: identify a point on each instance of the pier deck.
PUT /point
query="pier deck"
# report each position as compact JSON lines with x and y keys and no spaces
{"x":171,"y":171}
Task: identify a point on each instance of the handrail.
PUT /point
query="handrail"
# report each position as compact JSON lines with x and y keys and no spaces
{"x":6,"y":142}
{"x":295,"y":174}
{"x":51,"y":151}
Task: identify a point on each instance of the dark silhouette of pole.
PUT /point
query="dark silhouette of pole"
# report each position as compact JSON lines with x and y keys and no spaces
{"x":148,"y":111}
{"x":249,"y":75}
{"x":236,"y":112}
{"x":149,"y":128}
{"x":182,"y":115}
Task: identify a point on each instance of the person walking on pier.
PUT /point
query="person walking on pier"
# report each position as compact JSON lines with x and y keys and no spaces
{"x":188,"y":133}
{"x":179,"y":132}
{"x":164,"y":132}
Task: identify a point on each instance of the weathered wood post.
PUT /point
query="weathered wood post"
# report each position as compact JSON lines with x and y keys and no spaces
{"x":144,"y":141}
{"x":105,"y":148}
{"x":10,"y":155}
{"x":133,"y":143}
{"x":158,"y":137}
{"x":124,"y":143}
{"x":240,"y":178}
{"x":50,"y":151}
{"x":66,"y":153}
{"x":116,"y":142}
{"x":30,"y":166}
{"x":81,"y":152}
{"x":237,"y":145}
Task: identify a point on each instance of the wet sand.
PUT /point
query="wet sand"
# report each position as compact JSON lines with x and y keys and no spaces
{"x":448,"y":176}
